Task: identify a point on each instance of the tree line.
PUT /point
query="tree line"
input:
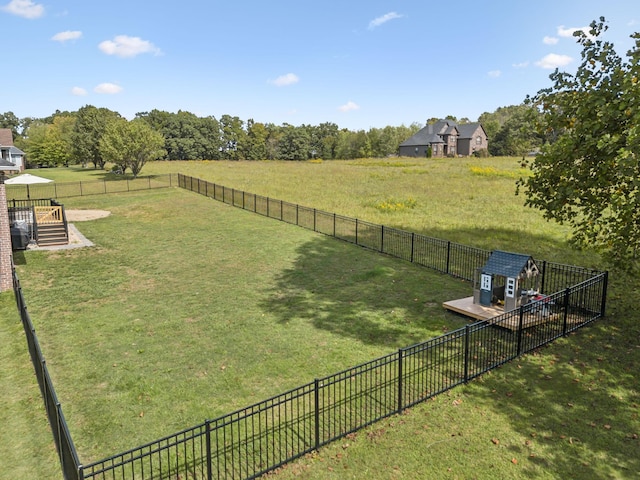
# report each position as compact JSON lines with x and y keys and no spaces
{"x":66,"y":138}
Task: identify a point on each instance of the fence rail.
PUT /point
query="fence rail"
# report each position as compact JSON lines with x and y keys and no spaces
{"x":254,"y":440}
{"x":17,"y":193}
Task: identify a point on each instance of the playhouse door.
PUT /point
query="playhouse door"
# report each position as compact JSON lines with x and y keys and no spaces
{"x":485,"y":290}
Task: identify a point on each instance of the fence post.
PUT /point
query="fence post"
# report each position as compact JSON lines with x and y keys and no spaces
{"x":281,"y":210}
{"x":81,"y":187}
{"x":605,"y":285}
{"x":382,"y":239}
{"x":567,"y":292}
{"x":297,"y":214}
{"x":520,"y":323}
{"x":316,"y":408}
{"x":448,"y":257}
{"x":466,"y":353}
{"x":357,"y":232}
{"x":207,"y":433}
{"x":400,"y":383}
{"x":544,"y":272}
{"x":413,"y":238}
{"x":314,"y":220}
{"x":334,"y":224}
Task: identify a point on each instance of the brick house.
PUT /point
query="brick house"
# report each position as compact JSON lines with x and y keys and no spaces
{"x":445,"y":138}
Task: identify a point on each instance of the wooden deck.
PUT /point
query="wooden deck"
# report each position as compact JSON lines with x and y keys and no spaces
{"x":465,"y":306}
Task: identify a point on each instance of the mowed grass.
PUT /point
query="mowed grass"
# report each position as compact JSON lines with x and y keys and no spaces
{"x":568,"y":411}
{"x":188,"y":309}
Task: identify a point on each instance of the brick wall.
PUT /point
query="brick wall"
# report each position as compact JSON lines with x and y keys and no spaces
{"x":6,"y":281}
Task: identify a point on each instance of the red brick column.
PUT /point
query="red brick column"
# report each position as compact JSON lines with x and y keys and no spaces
{"x":6,"y":278}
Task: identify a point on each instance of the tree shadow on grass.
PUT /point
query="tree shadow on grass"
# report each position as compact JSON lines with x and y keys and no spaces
{"x":575,"y":401}
{"x":373,"y":298}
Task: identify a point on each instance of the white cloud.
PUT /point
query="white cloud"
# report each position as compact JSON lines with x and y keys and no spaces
{"x":568,"y":32}
{"x":66,"y":36}
{"x":349,"y":106}
{"x":550,"y":40}
{"x":521,"y":64}
{"x":553,"y":60}
{"x":494,"y":73}
{"x":108,"y":88}
{"x":24,"y":8}
{"x":376,"y":22}
{"x":78,"y":91}
{"x":285,"y":80}
{"x":124,"y":46}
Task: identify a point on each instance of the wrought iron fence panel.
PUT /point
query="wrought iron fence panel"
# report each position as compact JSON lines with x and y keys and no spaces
{"x":488,"y":347}
{"x":357,"y":397}
{"x":369,"y":235}
{"x":181,"y":455}
{"x":463,"y":261}
{"x":432,"y":367}
{"x":346,"y":228}
{"x":430,"y":252}
{"x":397,"y":243}
{"x":325,"y":223}
{"x":289,"y":213}
{"x":307,"y":217}
{"x":261,"y":437}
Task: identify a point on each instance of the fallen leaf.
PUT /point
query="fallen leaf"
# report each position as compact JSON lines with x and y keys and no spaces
{"x":495,"y":441}
{"x":514,"y":461}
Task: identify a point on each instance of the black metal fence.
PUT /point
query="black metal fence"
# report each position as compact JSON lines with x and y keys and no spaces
{"x":91,"y":187}
{"x":461,"y":261}
{"x":61,"y":436}
{"x":261,"y":437}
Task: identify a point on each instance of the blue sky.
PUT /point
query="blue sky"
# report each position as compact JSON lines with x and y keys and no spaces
{"x":359,"y":64}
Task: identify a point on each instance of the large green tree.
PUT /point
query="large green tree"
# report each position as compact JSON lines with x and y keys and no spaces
{"x":588,"y":172}
{"x":131,"y":144}
{"x":88,"y":129}
{"x":50,"y":143}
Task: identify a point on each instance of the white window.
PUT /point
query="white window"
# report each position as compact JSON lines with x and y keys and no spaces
{"x":478,"y":140}
{"x":485,"y":282}
{"x":510,"y":288}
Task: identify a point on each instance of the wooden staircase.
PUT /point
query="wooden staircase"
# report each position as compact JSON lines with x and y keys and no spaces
{"x":51,"y":226}
{"x":52,"y":234}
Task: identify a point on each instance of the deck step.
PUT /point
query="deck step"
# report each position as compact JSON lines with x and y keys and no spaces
{"x":52,"y":234}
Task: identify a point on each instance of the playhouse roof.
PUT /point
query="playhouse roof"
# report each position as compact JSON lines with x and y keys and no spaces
{"x":511,"y":265}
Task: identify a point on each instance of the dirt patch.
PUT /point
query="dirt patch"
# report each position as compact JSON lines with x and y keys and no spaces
{"x":85,"y":215}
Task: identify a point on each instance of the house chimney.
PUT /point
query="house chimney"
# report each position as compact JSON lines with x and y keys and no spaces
{"x":6,"y":274}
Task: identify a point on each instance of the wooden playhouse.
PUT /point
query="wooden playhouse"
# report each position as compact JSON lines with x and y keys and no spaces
{"x":504,"y":283}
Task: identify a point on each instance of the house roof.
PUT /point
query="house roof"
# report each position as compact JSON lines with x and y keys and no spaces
{"x":6,"y":137}
{"x":15,"y":151}
{"x":432,"y":134}
{"x":7,"y":165}
{"x":511,"y":265}
{"x":469,"y":129}
{"x":424,"y":136}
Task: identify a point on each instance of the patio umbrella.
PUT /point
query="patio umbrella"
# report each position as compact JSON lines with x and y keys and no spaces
{"x":27,"y":179}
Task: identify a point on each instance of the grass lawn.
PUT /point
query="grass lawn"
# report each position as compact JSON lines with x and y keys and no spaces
{"x":261,"y":306}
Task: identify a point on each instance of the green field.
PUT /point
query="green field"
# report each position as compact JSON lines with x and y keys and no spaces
{"x":187,"y":309}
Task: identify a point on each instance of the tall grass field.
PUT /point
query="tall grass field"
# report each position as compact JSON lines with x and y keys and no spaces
{"x":187,"y":309}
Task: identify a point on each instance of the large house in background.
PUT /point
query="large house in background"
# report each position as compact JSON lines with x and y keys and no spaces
{"x":446,"y":138}
{"x":8,"y":152}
